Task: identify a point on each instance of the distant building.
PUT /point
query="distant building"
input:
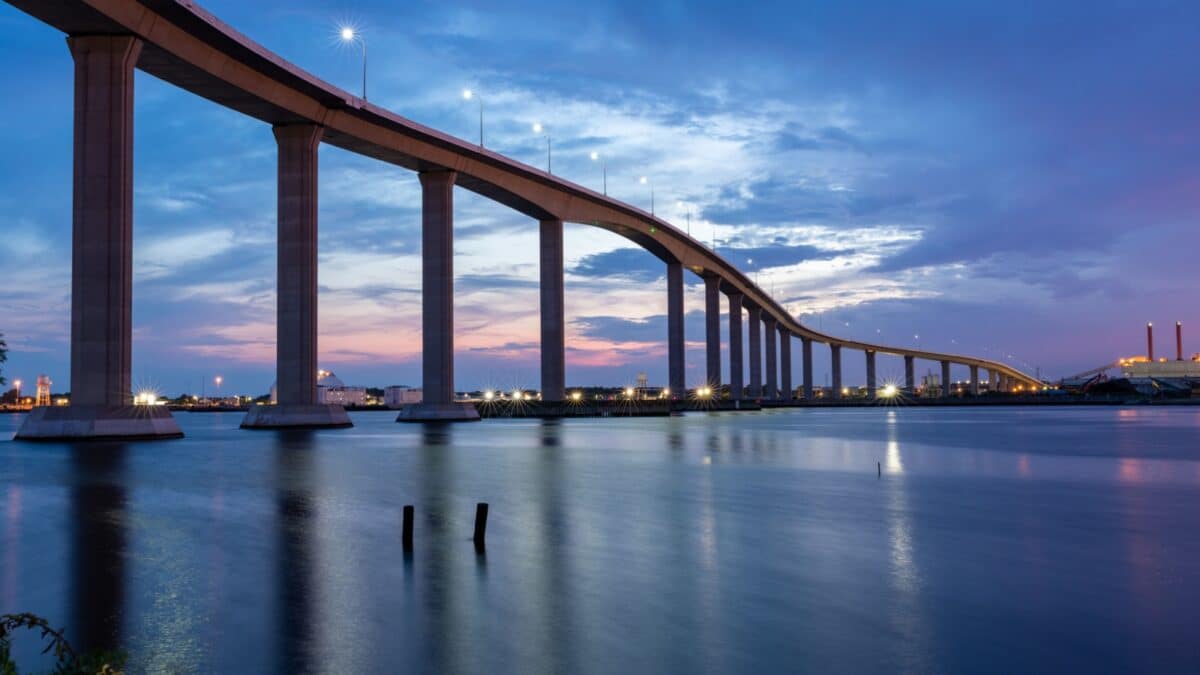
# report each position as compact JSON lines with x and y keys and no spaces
{"x":398,"y":396}
{"x":1139,"y":367}
{"x":331,"y":390}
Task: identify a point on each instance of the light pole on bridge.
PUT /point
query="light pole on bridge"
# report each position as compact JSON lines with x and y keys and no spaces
{"x":467,"y":96}
{"x":350,"y":35}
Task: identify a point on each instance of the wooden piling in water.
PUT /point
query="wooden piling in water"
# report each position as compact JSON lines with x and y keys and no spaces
{"x":407,"y":533}
{"x":481,"y":514}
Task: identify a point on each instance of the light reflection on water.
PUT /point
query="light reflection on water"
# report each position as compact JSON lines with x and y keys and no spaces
{"x":1016,"y":539}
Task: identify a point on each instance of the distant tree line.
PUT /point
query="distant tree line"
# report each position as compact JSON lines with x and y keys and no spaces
{"x":3,"y":357}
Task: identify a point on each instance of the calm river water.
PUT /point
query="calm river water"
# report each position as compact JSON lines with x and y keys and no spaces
{"x":996,"y":540}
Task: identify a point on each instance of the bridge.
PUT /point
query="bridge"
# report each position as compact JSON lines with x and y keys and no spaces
{"x":180,"y":43}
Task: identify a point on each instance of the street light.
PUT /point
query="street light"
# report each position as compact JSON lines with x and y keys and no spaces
{"x":467,"y":96}
{"x":689,"y":216}
{"x":538,"y":129}
{"x":603,"y":167}
{"x":646,"y":181}
{"x":348,"y":34}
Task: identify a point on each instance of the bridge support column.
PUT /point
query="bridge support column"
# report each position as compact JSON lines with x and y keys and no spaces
{"x":835,"y":365}
{"x":554,"y":377}
{"x":947,"y":390}
{"x":676,"y":360}
{"x":737,"y":384}
{"x":806,"y":363}
{"x":712,"y":332}
{"x":871,"y":384}
{"x":437,"y":305}
{"x":296,"y":279}
{"x":785,"y":364}
{"x":770,"y":326}
{"x":102,"y":256}
{"x":994,"y":380}
{"x":755,"y":320}
{"x":974,"y":387}
{"x":910,"y":379}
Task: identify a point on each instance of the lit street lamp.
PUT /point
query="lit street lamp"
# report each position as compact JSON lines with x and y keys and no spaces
{"x":646,"y":181}
{"x":539,"y":129}
{"x":467,"y":96}
{"x":348,"y":34}
{"x":604,"y":169}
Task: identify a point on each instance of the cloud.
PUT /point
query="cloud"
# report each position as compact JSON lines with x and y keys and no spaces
{"x":632,"y":264}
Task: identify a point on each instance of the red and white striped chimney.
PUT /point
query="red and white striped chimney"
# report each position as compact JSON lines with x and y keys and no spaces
{"x":1150,"y":341}
{"x":1178,"y":340}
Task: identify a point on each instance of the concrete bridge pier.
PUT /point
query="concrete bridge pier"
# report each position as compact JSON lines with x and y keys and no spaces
{"x":947,"y":392}
{"x":785,"y":364}
{"x":554,"y":359}
{"x":835,"y":359}
{"x":910,"y":378}
{"x":437,"y":305}
{"x":770,"y":327}
{"x":974,"y":380}
{"x":676,"y":359}
{"x":737,"y":384}
{"x":755,"y":321}
{"x":102,"y":257}
{"x":296,"y":279}
{"x":806,"y":362}
{"x":994,"y":380}
{"x":712,"y":331}
{"x":871,"y":384}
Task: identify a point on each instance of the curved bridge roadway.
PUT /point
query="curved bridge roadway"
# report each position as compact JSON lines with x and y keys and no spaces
{"x":180,"y":43}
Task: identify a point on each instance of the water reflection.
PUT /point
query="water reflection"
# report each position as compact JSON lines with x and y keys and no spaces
{"x":443,"y":593}
{"x":12,"y":546}
{"x":98,"y":542}
{"x":906,"y":611}
{"x":294,"y":560}
{"x":548,"y":584}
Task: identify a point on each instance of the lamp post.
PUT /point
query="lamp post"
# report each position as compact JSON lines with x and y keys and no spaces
{"x":539,"y":129}
{"x":646,"y":181}
{"x":350,"y":35}
{"x":689,"y":216}
{"x":218,"y":380}
{"x":467,"y":96}
{"x":603,"y":168}
{"x":17,"y":388}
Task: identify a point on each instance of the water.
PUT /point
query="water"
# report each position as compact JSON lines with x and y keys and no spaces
{"x":997,"y":540}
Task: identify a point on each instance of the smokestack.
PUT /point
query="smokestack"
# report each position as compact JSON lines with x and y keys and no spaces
{"x":1178,"y":340}
{"x":1150,"y":341}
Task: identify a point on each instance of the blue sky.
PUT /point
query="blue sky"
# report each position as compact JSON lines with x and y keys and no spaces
{"x":1018,"y":181}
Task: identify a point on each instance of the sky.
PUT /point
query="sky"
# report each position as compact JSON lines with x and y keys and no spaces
{"x":1018,"y":181}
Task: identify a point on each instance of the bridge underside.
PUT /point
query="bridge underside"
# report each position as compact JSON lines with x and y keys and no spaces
{"x":184,"y":46}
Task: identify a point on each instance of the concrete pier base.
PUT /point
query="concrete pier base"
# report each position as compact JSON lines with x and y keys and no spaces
{"x":439,"y":412}
{"x":296,"y":416}
{"x":99,"y":422}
